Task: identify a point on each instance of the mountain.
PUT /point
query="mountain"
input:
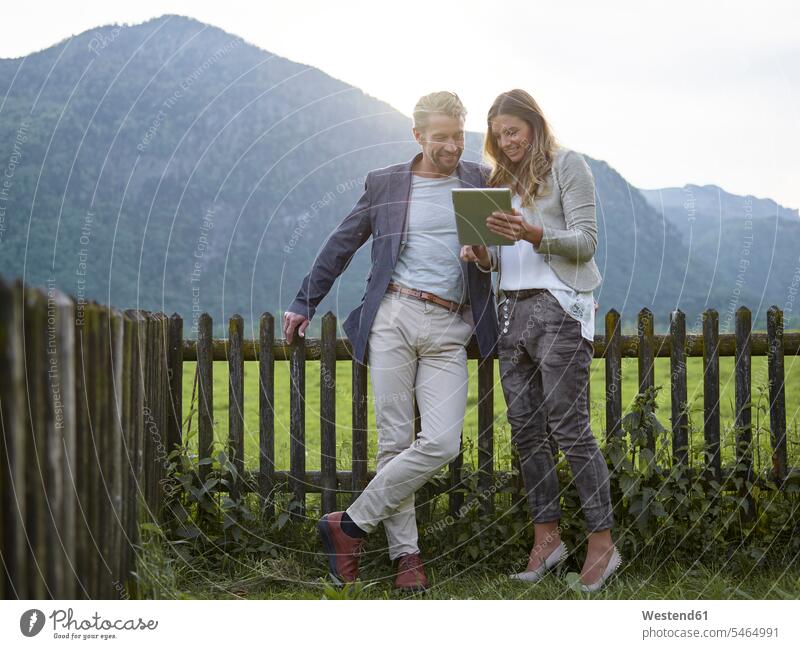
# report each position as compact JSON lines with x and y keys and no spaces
{"x":172,"y":166}
{"x":753,"y":243}
{"x":710,"y":203}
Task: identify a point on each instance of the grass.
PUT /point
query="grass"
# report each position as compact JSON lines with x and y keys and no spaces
{"x":762,"y":451}
{"x":636,"y":582}
{"x":301,"y":575}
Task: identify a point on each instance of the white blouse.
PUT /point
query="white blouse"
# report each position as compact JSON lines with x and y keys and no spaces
{"x":522,"y":267}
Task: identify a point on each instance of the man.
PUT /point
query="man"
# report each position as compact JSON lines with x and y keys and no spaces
{"x":421,"y":306}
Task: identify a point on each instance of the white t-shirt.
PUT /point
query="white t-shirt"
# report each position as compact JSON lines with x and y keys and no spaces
{"x":522,"y":267}
{"x":428,"y":259}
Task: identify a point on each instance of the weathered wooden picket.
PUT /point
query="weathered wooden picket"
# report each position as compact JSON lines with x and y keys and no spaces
{"x":91,"y":404}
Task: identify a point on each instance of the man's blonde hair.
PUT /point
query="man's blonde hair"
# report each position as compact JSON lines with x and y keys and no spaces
{"x":443,"y":101}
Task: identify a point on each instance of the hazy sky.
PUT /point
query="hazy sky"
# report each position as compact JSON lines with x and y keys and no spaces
{"x":666,"y":92}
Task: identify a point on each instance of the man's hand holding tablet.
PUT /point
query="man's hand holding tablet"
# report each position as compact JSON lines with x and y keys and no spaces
{"x":477,"y":254}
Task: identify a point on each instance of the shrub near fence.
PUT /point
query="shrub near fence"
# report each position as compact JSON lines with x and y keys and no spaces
{"x":91,"y":406}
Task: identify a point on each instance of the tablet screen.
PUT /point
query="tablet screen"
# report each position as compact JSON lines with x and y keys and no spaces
{"x":472,"y":207}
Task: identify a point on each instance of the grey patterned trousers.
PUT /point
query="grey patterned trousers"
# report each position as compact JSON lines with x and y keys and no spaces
{"x":544,"y":369}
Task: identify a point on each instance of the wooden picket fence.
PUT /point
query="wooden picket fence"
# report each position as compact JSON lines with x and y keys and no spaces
{"x":645,"y":346}
{"x":91,"y":404}
{"x":84,"y":411}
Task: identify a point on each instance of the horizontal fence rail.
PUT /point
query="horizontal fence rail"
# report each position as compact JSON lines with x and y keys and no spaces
{"x":628,"y":347}
{"x":91,"y":404}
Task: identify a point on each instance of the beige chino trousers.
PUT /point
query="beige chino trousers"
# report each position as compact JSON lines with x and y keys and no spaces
{"x":415,"y":349}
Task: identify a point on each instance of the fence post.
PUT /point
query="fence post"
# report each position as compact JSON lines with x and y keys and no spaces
{"x":359,"y":461}
{"x":455,"y":497}
{"x":12,"y":452}
{"x":646,"y":356}
{"x":205,"y":391}
{"x":141,"y":397}
{"x":98,"y":409}
{"x":114,"y":449}
{"x":164,"y":404}
{"x":266,"y":412}
{"x":51,"y":469}
{"x":327,"y":401}
{"x":777,"y":395}
{"x":711,"y":394}
{"x":65,"y":433}
{"x":486,"y":477}
{"x":157,"y":398}
{"x":297,"y":423}
{"x":150,"y":432}
{"x":174,"y":430}
{"x":678,"y":385}
{"x":743,"y":415}
{"x":83,"y":469}
{"x":129,"y":481}
{"x":35,"y":488}
{"x":236,"y":402}
{"x":613,"y":375}
{"x":138,"y":328}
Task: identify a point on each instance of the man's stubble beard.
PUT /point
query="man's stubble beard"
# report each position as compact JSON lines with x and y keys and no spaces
{"x":442,"y":169}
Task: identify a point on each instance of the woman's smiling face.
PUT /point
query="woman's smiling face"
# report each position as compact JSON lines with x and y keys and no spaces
{"x":513,"y":136}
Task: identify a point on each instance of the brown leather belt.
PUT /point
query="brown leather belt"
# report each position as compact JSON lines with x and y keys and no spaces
{"x":453,"y":307}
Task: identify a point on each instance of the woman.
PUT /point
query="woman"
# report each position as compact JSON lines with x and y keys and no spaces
{"x":547,"y":326}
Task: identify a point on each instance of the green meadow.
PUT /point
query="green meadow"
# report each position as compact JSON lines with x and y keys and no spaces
{"x":760,"y":401}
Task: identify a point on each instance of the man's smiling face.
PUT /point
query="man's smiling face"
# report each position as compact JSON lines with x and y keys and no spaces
{"x":442,"y":142}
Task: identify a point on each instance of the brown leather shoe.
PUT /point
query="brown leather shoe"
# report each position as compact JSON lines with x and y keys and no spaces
{"x":410,"y":574}
{"x":343,"y":551}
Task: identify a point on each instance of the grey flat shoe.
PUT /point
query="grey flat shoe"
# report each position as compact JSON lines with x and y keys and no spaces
{"x":613,"y":563}
{"x":554,"y":560}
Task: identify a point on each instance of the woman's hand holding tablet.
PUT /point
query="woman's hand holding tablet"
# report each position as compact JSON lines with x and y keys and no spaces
{"x":473,"y":209}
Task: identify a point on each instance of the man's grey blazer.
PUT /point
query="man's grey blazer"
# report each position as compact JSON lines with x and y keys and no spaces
{"x":382,"y":213}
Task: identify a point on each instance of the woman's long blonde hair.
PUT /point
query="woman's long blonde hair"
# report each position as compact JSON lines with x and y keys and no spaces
{"x":529,"y":175}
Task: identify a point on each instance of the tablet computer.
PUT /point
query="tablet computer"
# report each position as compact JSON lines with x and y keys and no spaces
{"x":472,"y":207}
